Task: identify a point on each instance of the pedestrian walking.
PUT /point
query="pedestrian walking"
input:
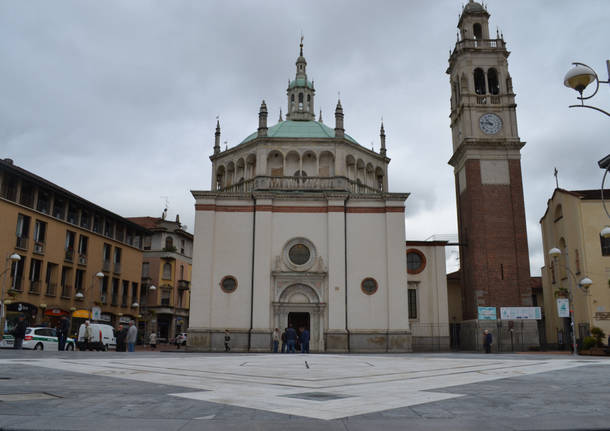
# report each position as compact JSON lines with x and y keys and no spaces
{"x":63,"y":329}
{"x":88,"y":335}
{"x":304,"y":341}
{"x":132,"y":336}
{"x":284,"y":341}
{"x":276,"y":340}
{"x":19,"y":332}
{"x":291,"y":339}
{"x":153,"y":341}
{"x":227,"y":341}
{"x":487,"y":341}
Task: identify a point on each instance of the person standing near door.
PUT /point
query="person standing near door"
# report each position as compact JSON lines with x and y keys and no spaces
{"x":276,"y":340}
{"x":227,"y":341}
{"x":305,"y":340}
{"x":291,"y":339}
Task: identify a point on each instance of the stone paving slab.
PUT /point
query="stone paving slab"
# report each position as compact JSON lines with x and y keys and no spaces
{"x":558,"y":395}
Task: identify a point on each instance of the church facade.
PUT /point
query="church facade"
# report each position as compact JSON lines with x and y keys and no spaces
{"x":300,"y":230}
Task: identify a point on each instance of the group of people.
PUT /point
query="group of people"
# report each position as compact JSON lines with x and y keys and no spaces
{"x":126,"y":337}
{"x":291,"y":340}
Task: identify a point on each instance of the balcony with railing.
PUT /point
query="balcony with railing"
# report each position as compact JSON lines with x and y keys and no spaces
{"x":183,"y":284}
{"x":117,"y":268}
{"x":35,"y":287}
{"x":69,"y":255}
{"x":17,"y":284}
{"x":300,"y":184}
{"x":39,"y":247}
{"x":82,"y":259}
{"x":22,"y":242}
{"x":479,"y":44}
{"x":66,"y":291}
{"x":51,"y":289}
{"x":106,"y":266}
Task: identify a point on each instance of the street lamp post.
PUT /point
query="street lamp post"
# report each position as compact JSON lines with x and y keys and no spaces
{"x":583,"y":284}
{"x":13,"y":258}
{"x":578,"y":78}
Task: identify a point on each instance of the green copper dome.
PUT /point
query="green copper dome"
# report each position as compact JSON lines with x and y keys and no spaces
{"x":300,"y":82}
{"x":299,"y":129}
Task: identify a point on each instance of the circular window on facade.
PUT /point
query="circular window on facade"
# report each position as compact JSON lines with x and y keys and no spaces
{"x":416,"y":261}
{"x":369,"y":286}
{"x":228,"y":284}
{"x":299,"y":254}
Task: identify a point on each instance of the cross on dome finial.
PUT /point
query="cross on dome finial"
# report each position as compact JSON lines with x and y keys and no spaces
{"x":301,"y":53}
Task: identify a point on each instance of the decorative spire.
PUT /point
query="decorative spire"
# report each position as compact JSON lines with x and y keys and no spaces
{"x":262,"y":120}
{"x":320,"y":119}
{"x":301,"y":92}
{"x":217,"y":137}
{"x":382,"y":150}
{"x":339,"y":130}
{"x":281,"y":119}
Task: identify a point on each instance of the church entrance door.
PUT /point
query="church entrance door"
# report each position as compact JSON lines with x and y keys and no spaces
{"x":298,"y":321}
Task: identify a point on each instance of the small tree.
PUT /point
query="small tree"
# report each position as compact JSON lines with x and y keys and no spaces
{"x":599,"y":335}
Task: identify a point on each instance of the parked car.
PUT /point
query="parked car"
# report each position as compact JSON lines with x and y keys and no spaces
{"x":38,"y":338}
{"x":103,"y":337}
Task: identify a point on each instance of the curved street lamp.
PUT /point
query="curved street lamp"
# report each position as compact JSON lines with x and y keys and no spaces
{"x":583,"y":284}
{"x":579,"y":77}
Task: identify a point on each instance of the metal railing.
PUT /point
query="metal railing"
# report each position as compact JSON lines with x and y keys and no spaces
{"x":22,"y":242}
{"x":51,"y":289}
{"x":82,"y":259}
{"x":66,"y":291}
{"x":39,"y":247}
{"x":35,"y":287}
{"x":69,"y":257}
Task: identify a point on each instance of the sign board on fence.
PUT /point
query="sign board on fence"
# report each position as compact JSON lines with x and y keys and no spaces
{"x":487,"y":313}
{"x":563,"y":307}
{"x":516,"y":313}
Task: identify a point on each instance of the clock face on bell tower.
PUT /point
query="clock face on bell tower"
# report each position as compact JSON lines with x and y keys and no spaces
{"x":494,"y":257}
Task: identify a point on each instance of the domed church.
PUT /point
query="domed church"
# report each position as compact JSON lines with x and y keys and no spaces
{"x":300,"y":230}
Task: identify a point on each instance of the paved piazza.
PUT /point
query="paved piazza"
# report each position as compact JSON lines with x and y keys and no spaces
{"x":328,"y":388}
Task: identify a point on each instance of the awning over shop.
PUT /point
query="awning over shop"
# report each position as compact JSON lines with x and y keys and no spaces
{"x":81,"y":314}
{"x":56,"y":312}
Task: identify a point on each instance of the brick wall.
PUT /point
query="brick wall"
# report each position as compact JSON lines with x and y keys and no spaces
{"x":495,"y":258}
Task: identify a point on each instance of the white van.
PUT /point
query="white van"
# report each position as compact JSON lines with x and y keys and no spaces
{"x":103,"y":337}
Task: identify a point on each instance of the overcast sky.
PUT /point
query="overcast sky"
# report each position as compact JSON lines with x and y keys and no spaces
{"x":117,"y":100}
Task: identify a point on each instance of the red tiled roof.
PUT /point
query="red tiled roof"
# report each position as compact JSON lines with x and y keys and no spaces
{"x":146,"y":222}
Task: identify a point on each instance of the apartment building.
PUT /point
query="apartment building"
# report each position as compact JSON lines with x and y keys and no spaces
{"x":166,"y":276}
{"x":77,"y":259}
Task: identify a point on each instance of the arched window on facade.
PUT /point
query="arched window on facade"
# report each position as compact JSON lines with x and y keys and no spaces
{"x":300,"y":101}
{"x":477,"y":30}
{"x":479,"y":81}
{"x":492,"y":81}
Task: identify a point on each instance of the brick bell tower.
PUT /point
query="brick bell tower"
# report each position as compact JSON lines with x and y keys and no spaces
{"x":486,"y":160}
